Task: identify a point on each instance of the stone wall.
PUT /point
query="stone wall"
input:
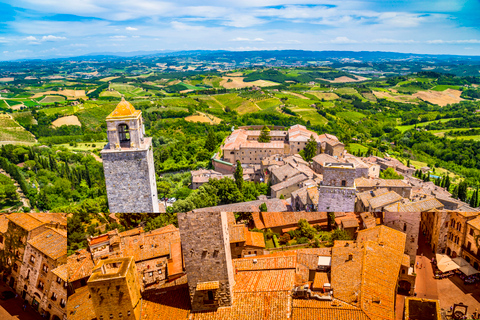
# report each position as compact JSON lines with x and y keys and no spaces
{"x":116,"y":296}
{"x":207,"y":255}
{"x":333,"y":199}
{"x":408,"y":223}
{"x":130,"y":180}
{"x":334,"y":175}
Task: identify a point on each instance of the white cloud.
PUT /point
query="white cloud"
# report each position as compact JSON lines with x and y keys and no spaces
{"x":474,"y":41}
{"x":52,"y":38}
{"x":392,"y":41}
{"x":131,"y":29}
{"x":118,"y":37}
{"x":31,"y":38}
{"x":342,"y":40}
{"x":247,"y":39}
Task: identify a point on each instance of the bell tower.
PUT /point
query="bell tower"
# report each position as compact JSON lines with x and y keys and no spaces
{"x":128,"y":163}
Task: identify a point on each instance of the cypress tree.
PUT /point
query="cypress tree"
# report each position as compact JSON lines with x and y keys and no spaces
{"x":264,"y":135}
{"x":238,"y":175}
{"x":87,"y":177}
{"x":211,"y":141}
{"x":310,"y":149}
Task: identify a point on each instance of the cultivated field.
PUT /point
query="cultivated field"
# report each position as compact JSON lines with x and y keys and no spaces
{"x":324,"y":95}
{"x":394,"y":97}
{"x":52,"y":99}
{"x":345,"y":79}
{"x":68,"y":120}
{"x":70,"y":94}
{"x":12,"y":132}
{"x":237,"y":83}
{"x":441,"y":98}
{"x":202,"y":117}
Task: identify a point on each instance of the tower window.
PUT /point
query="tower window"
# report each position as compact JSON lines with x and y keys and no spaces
{"x":123,"y":133}
{"x":344,"y":183}
{"x":210,"y":295}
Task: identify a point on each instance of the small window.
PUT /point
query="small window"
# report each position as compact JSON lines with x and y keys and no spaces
{"x":210,"y":295}
{"x":404,"y":227}
{"x":59,"y":280}
{"x":350,"y":257}
{"x":344,"y":183}
{"x":111,"y":316}
{"x":129,"y":313}
{"x":45,"y":268}
{"x":15,"y":267}
{"x":54,"y":296}
{"x":471,"y":231}
{"x":32,"y":259}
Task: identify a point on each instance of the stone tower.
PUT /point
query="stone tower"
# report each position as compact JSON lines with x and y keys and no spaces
{"x":337,"y":190}
{"x":128,"y":163}
{"x":115,"y":290}
{"x":208,"y":261}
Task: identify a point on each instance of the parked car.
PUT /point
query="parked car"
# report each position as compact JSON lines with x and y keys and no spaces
{"x":7,"y":295}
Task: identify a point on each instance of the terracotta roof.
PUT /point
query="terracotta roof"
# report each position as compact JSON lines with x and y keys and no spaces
{"x":237,"y":233}
{"x":309,"y":257}
{"x":289,"y":182}
{"x":324,"y":157}
{"x":175,"y":263}
{"x":384,"y":235}
{"x":475,"y":223}
{"x":265,"y":280}
{"x":273,"y":205}
{"x":281,"y":219}
{"x":80,"y":305}
{"x":51,"y":243}
{"x":166,"y":304}
{"x":51,"y":218}
{"x":254,"y":239}
{"x":99,"y":239}
{"x":151,"y":244}
{"x":211,"y":285}
{"x":25,"y":220}
{"x":326,"y":310}
{"x":418,"y":206}
{"x":80,"y":265}
{"x":384,"y":199}
{"x":380,"y":183}
{"x":278,"y":260}
{"x":3,"y":224}
{"x":61,"y":272}
{"x":364,"y":197}
{"x":124,"y":109}
{"x":252,"y":306}
{"x":136,"y":231}
{"x":313,"y":194}
{"x":368,"y":219}
{"x":301,"y":194}
{"x":320,"y":279}
{"x":349,"y":223}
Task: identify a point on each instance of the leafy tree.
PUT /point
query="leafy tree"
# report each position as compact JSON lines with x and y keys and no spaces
{"x":163,"y":188}
{"x":408,"y":163}
{"x":474,"y":199}
{"x":339,"y":234}
{"x":390,"y":173}
{"x":238,"y":175}
{"x":310,"y":149}
{"x":455,"y":192}
{"x":264,"y":135}
{"x":263,"y":207}
{"x":306,"y":230}
{"x":284,"y":238}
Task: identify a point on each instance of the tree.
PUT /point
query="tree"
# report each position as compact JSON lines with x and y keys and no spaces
{"x":163,"y":188}
{"x":462,"y":191}
{"x":339,"y":234}
{"x":474,"y":199}
{"x":408,"y":163}
{"x":238,"y":175}
{"x":390,"y":173}
{"x":455,"y":192}
{"x":264,"y":135}
{"x":447,"y":182}
{"x":306,"y":230}
{"x":211,"y":142}
{"x":310,"y":149}
{"x":331,"y":220}
{"x":263,"y":207}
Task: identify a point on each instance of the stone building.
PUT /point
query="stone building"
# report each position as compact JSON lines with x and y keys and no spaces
{"x":471,"y":251}
{"x":457,"y":232}
{"x":337,"y":190}
{"x":399,"y":186}
{"x":43,"y":254}
{"x":21,"y":228}
{"x":115,"y":290}
{"x":243,"y":144}
{"x":408,"y":223}
{"x":57,"y":293}
{"x":128,"y":163}
{"x":435,"y":226}
{"x":208,"y":262}
{"x":305,"y":198}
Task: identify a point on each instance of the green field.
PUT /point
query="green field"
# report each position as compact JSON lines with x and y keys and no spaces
{"x":64,"y":110}
{"x":213,"y":104}
{"x":422,"y":124}
{"x":310,"y":114}
{"x":11,"y":131}
{"x":94,"y":117}
{"x":269,"y":105}
{"x":475,"y":138}
{"x":127,"y":90}
{"x":355,"y":147}
{"x":178,"y":102}
{"x":351,"y":115}
{"x":444,"y":87}
{"x":231,"y":100}
{"x":52,"y":99}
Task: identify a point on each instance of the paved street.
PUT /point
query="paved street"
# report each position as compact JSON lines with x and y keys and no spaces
{"x":448,"y":290}
{"x":14,"y":306}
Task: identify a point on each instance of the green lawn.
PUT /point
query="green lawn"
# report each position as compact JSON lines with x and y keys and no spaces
{"x":444,"y":87}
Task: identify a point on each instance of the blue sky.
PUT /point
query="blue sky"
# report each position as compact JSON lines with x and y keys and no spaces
{"x":62,"y":28}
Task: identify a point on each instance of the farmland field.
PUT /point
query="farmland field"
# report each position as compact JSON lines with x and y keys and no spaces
{"x":202,"y":117}
{"x":351,"y":115}
{"x":421,"y":124}
{"x":324,"y":95}
{"x":269,"y":104}
{"x":441,"y":98}
{"x":12,"y":132}
{"x":443,"y":87}
{"x":68,"y":120}
{"x":52,"y":99}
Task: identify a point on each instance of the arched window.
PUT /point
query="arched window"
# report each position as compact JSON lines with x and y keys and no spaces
{"x":459,"y":227}
{"x":123,"y":133}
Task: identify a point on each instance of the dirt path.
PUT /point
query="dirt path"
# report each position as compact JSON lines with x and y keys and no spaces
{"x":23,"y":199}
{"x":96,"y":157}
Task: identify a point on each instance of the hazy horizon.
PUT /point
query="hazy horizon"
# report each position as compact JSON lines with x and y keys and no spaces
{"x":51,"y":28}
